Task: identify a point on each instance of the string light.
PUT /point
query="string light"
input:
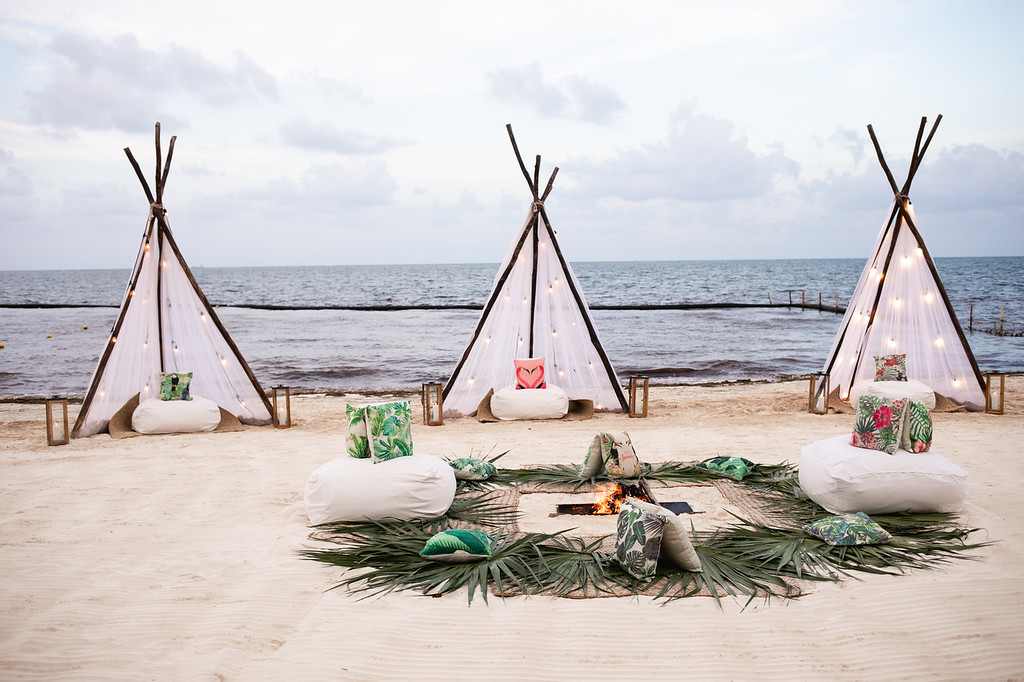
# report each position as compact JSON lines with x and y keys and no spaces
{"x":906,"y":261}
{"x":956,"y":383}
{"x":892,"y":343}
{"x":939,"y":342}
{"x":928,"y":297}
{"x":896,"y":302}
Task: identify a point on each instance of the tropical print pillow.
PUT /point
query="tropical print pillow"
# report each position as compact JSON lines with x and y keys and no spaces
{"x":917,"y":428}
{"x":891,"y":367}
{"x":848,"y":529}
{"x":175,"y":385}
{"x":470,"y":469}
{"x":357,"y":443}
{"x":878,"y":423}
{"x":389,"y":427}
{"x":530,"y":373}
{"x":736,"y":468}
{"x":638,"y":541}
{"x":621,"y":461}
{"x":458,"y":546}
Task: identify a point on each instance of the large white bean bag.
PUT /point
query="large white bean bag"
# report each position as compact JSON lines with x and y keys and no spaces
{"x":529,"y":403}
{"x":401,"y":489}
{"x":894,"y":390}
{"x":176,"y":416}
{"x":845,"y":479}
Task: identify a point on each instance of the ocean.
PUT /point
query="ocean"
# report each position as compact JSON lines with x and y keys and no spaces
{"x":356,"y":327}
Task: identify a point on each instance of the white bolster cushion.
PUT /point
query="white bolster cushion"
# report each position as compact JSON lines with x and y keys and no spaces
{"x":401,"y":489}
{"x":894,"y":390}
{"x":176,"y":416}
{"x":845,"y":479}
{"x":530,"y":403}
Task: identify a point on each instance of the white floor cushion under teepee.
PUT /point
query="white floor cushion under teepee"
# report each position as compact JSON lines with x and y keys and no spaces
{"x":530,"y":403}
{"x":914,"y":390}
{"x":176,"y":416}
{"x":844,"y":479}
{"x":400,"y":489}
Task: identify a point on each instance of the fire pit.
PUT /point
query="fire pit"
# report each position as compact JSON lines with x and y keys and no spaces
{"x":608,"y":498}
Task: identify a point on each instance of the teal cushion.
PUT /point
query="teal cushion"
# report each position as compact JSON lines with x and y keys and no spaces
{"x":638,"y":540}
{"x":736,"y":468}
{"x":458,"y":546}
{"x":848,"y":529}
{"x":470,"y":469}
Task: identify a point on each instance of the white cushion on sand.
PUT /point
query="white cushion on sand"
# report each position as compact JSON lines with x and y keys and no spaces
{"x":400,"y":489}
{"x":894,"y":390}
{"x":845,"y":479}
{"x":530,"y":403}
{"x":176,"y":416}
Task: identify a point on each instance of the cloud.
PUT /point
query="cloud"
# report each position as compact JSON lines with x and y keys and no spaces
{"x":576,"y":97}
{"x":325,"y":136}
{"x":100,"y":84}
{"x":970,"y":177}
{"x":701,"y":159}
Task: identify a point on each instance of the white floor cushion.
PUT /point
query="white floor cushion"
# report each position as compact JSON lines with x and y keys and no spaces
{"x":401,"y":489}
{"x":176,"y":416}
{"x":530,"y":403}
{"x":915,"y":390}
{"x":845,"y":479}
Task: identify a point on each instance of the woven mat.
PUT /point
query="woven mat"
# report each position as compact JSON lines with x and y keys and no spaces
{"x":120,"y":425}
{"x":746,"y":504}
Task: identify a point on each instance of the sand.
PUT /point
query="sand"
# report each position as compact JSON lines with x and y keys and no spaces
{"x":175,"y":558}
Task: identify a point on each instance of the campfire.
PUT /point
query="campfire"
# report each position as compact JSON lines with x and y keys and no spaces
{"x":608,"y":498}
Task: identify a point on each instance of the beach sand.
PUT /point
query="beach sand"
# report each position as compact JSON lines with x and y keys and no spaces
{"x":175,"y":558}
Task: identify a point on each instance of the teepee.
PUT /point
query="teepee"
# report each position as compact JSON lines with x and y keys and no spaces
{"x":536,"y":310}
{"x":900,"y":307}
{"x":165,"y":324}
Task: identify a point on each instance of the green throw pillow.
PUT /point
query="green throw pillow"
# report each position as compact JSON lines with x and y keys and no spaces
{"x":593,"y":463}
{"x":469,"y":469}
{"x":736,"y":468}
{"x":612,"y":454}
{"x":917,"y":428}
{"x":357,"y":443}
{"x":389,"y":427}
{"x":458,"y":546}
{"x":848,"y":529}
{"x":175,"y":385}
{"x":638,"y":540}
{"x":878,"y":423}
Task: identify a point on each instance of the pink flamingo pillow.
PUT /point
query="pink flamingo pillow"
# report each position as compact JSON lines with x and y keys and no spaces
{"x":530,"y":373}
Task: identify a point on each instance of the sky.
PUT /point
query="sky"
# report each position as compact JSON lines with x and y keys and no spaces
{"x":337,"y":132}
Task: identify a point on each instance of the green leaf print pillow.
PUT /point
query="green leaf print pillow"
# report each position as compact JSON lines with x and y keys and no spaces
{"x":917,"y":428}
{"x":736,"y":468}
{"x":878,"y":423}
{"x":357,"y":443}
{"x":848,"y":529}
{"x":470,"y":469}
{"x":458,"y":546}
{"x":389,"y":429}
{"x":175,"y":385}
{"x":638,"y":541}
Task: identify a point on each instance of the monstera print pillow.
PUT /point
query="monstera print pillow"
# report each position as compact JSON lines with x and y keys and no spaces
{"x":389,"y":428}
{"x":848,"y":529}
{"x":891,"y":367}
{"x":878,"y":423}
{"x":638,"y":541}
{"x":530,"y":373}
{"x":917,"y":428}
{"x":175,"y":385}
{"x":736,"y":468}
{"x":471,"y":469}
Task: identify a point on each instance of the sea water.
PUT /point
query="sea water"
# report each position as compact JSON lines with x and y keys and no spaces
{"x":393,"y":327}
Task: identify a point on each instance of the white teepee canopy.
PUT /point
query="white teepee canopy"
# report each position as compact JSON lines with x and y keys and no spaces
{"x":536,"y":310}
{"x":900,"y":307}
{"x":165,"y":324}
